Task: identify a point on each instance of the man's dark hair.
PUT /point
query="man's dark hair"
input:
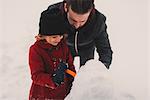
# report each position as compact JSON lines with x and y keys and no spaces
{"x":80,"y":6}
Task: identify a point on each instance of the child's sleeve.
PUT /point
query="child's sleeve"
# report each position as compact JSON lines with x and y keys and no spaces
{"x":37,"y":69}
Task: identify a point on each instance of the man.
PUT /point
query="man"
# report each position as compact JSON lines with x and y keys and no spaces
{"x":86,"y":30}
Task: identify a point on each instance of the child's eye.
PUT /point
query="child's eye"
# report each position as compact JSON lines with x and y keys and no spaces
{"x":54,"y":37}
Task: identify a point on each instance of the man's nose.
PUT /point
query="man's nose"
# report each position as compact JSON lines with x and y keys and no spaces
{"x":77,"y":25}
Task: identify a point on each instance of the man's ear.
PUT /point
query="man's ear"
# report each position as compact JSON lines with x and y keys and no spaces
{"x":65,"y":7}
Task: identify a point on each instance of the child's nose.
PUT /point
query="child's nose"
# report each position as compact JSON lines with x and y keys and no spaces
{"x":58,"y":39}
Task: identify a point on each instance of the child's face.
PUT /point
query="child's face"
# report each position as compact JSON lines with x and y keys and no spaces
{"x":54,"y":39}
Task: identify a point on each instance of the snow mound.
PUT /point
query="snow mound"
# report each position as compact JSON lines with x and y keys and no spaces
{"x":94,"y":82}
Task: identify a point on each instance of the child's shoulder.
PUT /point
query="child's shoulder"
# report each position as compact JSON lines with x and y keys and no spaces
{"x":36,"y":44}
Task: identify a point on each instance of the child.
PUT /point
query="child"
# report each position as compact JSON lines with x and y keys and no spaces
{"x":49,"y":57}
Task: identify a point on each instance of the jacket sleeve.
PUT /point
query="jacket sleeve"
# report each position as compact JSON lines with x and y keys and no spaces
{"x":103,"y":44}
{"x":38,"y":74}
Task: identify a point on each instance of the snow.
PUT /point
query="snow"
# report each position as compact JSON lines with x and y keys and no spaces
{"x":94,"y":82}
{"x":127,"y":28}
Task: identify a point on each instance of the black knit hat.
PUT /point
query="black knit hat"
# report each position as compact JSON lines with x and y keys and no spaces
{"x":52,"y":23}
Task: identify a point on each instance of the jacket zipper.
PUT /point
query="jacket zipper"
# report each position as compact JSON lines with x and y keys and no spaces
{"x":76,"y":42}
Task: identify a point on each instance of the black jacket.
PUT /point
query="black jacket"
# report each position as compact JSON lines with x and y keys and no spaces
{"x":83,"y":41}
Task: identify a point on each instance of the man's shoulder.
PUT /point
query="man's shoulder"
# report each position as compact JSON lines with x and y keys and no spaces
{"x":53,"y":9}
{"x":99,"y":15}
{"x":55,"y":6}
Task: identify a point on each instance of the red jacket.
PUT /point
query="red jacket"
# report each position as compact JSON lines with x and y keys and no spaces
{"x":42,"y":54}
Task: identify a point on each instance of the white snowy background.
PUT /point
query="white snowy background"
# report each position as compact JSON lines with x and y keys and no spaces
{"x":128,"y":28}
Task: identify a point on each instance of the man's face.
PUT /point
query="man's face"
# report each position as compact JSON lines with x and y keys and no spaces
{"x":77,"y":20}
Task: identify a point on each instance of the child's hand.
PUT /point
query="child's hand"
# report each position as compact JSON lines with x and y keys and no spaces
{"x":58,"y":76}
